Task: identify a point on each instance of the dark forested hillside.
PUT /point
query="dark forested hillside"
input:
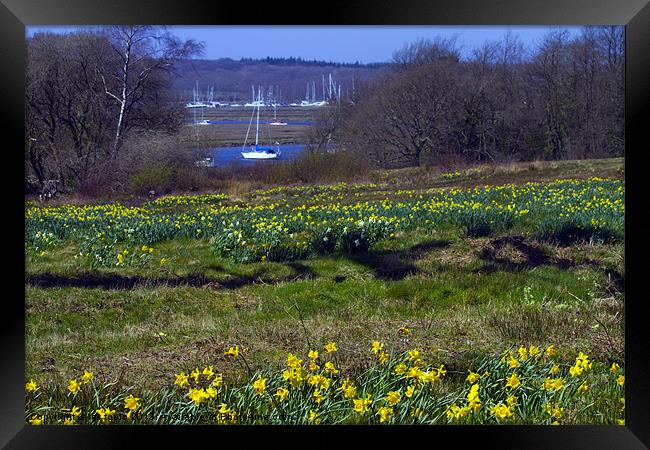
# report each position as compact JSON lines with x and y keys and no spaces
{"x":232,"y":79}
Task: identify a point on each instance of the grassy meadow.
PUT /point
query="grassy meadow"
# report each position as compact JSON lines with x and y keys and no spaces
{"x":231,"y":132}
{"x":483,"y":295}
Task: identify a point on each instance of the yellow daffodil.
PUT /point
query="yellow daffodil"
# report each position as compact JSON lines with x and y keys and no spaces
{"x":208,"y":372}
{"x":36,"y":420}
{"x":330,"y":347}
{"x":523,"y":353}
{"x":314,"y":417}
{"x":501,"y":411}
{"x":393,"y":397}
{"x":410,"y":390}
{"x":131,"y":402}
{"x":400,"y":369}
{"x":361,"y":405}
{"x":73,"y":386}
{"x":181,"y":379}
{"x":293,"y":361}
{"x":217,"y":381}
{"x":282,"y":394}
{"x":329,"y":367}
{"x":105,"y":414}
{"x":384,"y":413}
{"x":198,"y":396}
{"x":404,"y":331}
{"x":87,"y":377}
{"x":232,"y":351}
{"x":473,"y":377}
{"x":31,"y":386}
{"x":513,"y":381}
{"x":317,"y":397}
{"x":413,"y":355}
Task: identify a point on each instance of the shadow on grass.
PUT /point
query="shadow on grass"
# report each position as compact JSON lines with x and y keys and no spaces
{"x":396,"y":265}
{"x":302,"y":271}
{"x":121,"y":282}
{"x":513,"y":253}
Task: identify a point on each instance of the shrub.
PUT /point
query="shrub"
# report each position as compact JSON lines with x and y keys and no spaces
{"x":355,"y":240}
{"x":158,"y":177}
{"x":323,"y":241}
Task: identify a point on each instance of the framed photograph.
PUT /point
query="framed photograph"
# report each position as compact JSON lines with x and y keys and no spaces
{"x":364,"y":218}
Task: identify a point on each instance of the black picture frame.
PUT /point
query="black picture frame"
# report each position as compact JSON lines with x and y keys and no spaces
{"x":16,"y":14}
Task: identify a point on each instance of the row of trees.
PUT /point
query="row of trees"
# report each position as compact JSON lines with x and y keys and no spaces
{"x":90,"y":94}
{"x":563,"y":100}
{"x":293,"y":61}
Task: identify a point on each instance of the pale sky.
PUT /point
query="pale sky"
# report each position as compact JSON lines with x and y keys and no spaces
{"x":336,"y":43}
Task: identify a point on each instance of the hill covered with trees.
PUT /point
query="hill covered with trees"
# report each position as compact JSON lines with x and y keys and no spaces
{"x":232,"y":79}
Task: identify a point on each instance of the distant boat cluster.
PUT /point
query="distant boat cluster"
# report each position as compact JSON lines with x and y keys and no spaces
{"x":331,"y":93}
{"x":207,"y":105}
{"x":215,"y":104}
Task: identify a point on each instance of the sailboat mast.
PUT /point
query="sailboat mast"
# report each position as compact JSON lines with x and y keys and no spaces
{"x":330,"y":89}
{"x":257,"y":128}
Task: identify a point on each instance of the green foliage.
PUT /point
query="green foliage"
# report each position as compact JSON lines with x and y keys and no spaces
{"x":103,"y":252}
{"x":38,"y":241}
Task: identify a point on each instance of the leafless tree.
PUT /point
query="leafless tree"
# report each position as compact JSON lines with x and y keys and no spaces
{"x":81,"y":98}
{"x":410,"y":114}
{"x":563,"y":99}
{"x":426,"y":51}
{"x":142,"y":52}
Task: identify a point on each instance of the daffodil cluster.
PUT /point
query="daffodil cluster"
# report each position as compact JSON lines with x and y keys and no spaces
{"x":400,"y":388}
{"x":285,"y":229}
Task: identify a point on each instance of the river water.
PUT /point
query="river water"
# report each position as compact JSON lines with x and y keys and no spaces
{"x":224,"y":156}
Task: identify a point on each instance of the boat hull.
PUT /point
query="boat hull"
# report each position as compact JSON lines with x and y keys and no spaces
{"x":259,"y":155}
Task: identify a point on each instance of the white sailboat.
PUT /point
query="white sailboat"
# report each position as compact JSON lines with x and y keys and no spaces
{"x":276,"y":122}
{"x":196,"y":102}
{"x":258,"y":151}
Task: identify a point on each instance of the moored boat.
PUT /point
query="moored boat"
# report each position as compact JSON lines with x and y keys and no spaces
{"x":259,"y":152}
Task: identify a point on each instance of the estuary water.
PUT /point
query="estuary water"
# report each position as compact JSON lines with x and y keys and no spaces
{"x":224,"y":156}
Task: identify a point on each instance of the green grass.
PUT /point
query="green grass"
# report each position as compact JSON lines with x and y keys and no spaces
{"x":464,"y":298}
{"x":279,"y":307}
